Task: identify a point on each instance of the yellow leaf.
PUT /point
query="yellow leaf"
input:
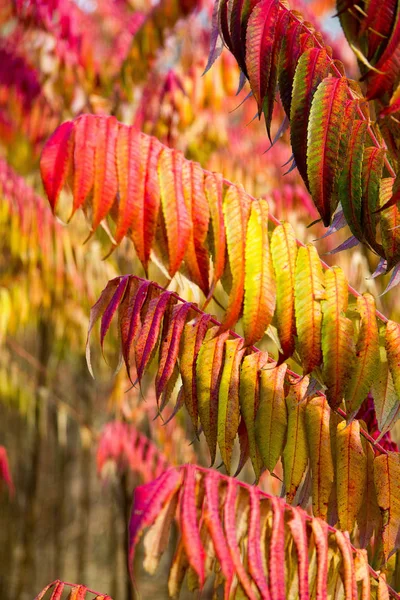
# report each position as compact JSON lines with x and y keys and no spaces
{"x":259,"y":285}
{"x":284,"y":252}
{"x":319,"y":445}
{"x":271,"y":418}
{"x":309,"y":289}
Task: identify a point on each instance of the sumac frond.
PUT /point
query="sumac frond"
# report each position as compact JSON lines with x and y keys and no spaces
{"x":187,"y":216}
{"x":55,"y":590}
{"x":329,"y":117}
{"x":250,"y":543}
{"x":131,"y":450}
{"x":374,"y":35}
{"x":5,"y":474}
{"x":227,"y":386}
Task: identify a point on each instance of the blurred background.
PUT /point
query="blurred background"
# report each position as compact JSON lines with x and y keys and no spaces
{"x":72,"y":449}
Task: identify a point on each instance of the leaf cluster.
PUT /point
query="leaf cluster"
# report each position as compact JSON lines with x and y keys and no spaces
{"x":252,"y":544}
{"x":340,"y":155}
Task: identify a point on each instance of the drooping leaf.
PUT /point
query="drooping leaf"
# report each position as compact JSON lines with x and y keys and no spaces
{"x":55,"y":161}
{"x":259,"y":295}
{"x":236,"y":210}
{"x":259,"y":41}
{"x":351,"y":473}
{"x":337,"y":337}
{"x":228,"y":400}
{"x":85,"y":135}
{"x":271,"y":418}
{"x":309,"y":290}
{"x":213,"y":190}
{"x":390,"y":223}
{"x":312,"y":68}
{"x":294,"y":43}
{"x":112,"y":307}
{"x":284,"y":253}
{"x":170,"y":346}
{"x":367,"y":350}
{"x":373,"y":161}
{"x":250,"y":374}
{"x":387,"y":485}
{"x":369,"y":518}
{"x":196,"y":257}
{"x":174,"y":208}
{"x":317,"y":418}
{"x":105,"y":183}
{"x":250,"y":536}
{"x":148,"y":335}
{"x":323,"y":140}
{"x":208,"y":375}
{"x":193,"y":336}
{"x":295,"y":453}
{"x":97,"y":311}
{"x":189,"y":526}
{"x":392,"y":338}
{"x":130,"y":317}
{"x":386,"y":401}
{"x":350,"y":180}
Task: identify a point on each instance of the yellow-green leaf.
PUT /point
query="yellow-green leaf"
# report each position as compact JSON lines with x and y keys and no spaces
{"x":249,"y":400}
{"x":337,"y":336}
{"x":351,"y":473}
{"x":387,"y":485}
{"x":309,"y":290}
{"x":324,"y":129}
{"x":320,"y":452}
{"x":295,"y":453}
{"x":208,"y":369}
{"x":271,"y":419}
{"x":259,"y":284}
{"x":369,"y":517}
{"x":284,"y":252}
{"x":365,"y":367}
{"x":386,"y":401}
{"x":236,"y":210}
{"x":393,"y":353}
{"x":228,"y":399}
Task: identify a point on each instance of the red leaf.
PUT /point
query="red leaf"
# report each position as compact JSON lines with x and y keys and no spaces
{"x":255,"y":563}
{"x":230,"y":532}
{"x":148,"y":501}
{"x":130,"y":187}
{"x":149,"y":332}
{"x":112,"y":307}
{"x":130,"y":320}
{"x":312,"y":68}
{"x":320,"y":530}
{"x":213,"y":523}
{"x":170,"y":346}
{"x":259,"y":43}
{"x":189,"y":526}
{"x":55,"y":161}
{"x":176,"y":218}
{"x":277,"y":551}
{"x":298,"y":528}
{"x":85,"y":139}
{"x":105,"y":170}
